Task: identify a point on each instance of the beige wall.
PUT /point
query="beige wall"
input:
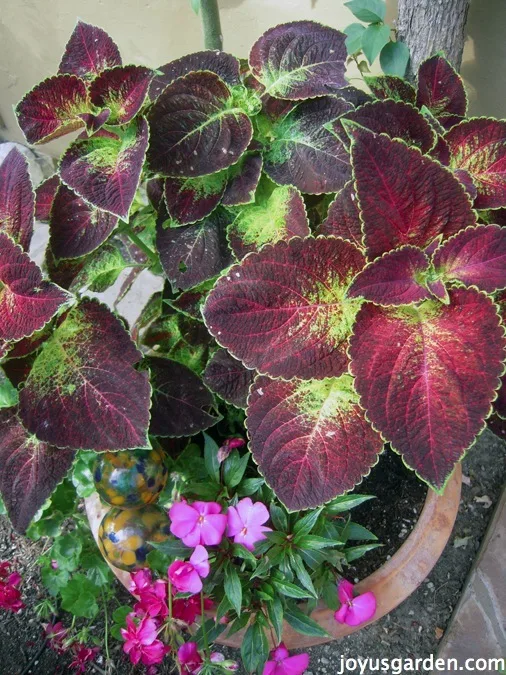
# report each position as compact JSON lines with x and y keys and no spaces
{"x":33,"y":34}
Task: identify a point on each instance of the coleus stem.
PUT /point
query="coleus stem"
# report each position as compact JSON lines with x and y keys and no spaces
{"x":144,"y":247}
{"x":210,"y":13}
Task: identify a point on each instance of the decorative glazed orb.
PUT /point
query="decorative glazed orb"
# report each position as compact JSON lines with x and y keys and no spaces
{"x":130,"y":478}
{"x":124,"y":534}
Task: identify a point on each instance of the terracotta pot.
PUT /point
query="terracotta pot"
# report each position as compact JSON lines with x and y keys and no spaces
{"x":392,"y":583}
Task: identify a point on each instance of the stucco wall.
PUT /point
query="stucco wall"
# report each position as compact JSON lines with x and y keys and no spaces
{"x":33,"y":34}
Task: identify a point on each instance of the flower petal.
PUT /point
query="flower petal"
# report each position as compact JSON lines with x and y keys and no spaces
{"x":269,"y":668}
{"x":345,"y":591}
{"x":183,"y":519}
{"x":235,"y":524}
{"x":206,"y":508}
{"x":341,"y":614}
{"x":258,"y":514}
{"x":212,"y":529}
{"x":200,"y":561}
{"x":295,"y":665}
{"x":362,"y":609}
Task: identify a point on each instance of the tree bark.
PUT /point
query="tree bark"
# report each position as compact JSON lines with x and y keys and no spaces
{"x":430,"y":26}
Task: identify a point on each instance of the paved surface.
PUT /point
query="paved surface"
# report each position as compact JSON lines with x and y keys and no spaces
{"x":478,"y":626}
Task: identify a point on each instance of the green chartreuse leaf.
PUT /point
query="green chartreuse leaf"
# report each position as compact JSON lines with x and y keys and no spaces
{"x":82,"y":477}
{"x":346,"y":503}
{"x":211,"y":457}
{"x":67,"y":551}
{"x":254,"y":648}
{"x":290,"y":590}
{"x":357,"y":532}
{"x":394,"y":59}
{"x":303,"y":623}
{"x":249,"y":486}
{"x":301,"y":573}
{"x":233,"y":588}
{"x":234,"y":468}
{"x":102,"y":270}
{"x":279,"y":517}
{"x":79,"y":597}
{"x":8,"y":393}
{"x":368,"y":11}
{"x":356,"y":552}
{"x":275,"y":612}
{"x":306,"y":524}
{"x":353,"y":40}
{"x":375,"y":37}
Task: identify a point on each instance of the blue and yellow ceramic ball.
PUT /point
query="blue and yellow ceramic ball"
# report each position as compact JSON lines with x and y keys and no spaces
{"x":124,"y":535}
{"x":130,"y":478}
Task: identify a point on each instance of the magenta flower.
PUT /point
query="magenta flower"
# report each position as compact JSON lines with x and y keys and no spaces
{"x":284,"y":664}
{"x":198,"y":523}
{"x":189,"y":658}
{"x":141,"y":641}
{"x":82,"y":656}
{"x":246,"y":522}
{"x":186,"y":576}
{"x":10,"y":596}
{"x":56,"y":635}
{"x":354,"y":610}
{"x":152,"y":595}
{"x":187,"y":609}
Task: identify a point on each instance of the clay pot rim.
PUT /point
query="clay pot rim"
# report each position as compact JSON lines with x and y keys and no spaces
{"x":392,"y":583}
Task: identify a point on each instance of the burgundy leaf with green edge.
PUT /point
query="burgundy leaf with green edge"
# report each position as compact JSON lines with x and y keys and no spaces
{"x":83,"y":390}
{"x":404,"y":197}
{"x":243,"y":180}
{"x":441,"y":89}
{"x":154,"y":191}
{"x":51,"y":109}
{"x":300,"y":60}
{"x":393,"y":279}
{"x":222,"y":64}
{"x":191,"y":199}
{"x":194,"y":253}
{"x":17,"y":201}
{"x":277,"y":213}
{"x":77,"y":228}
{"x":311,"y":440}
{"x":284,"y":311}
{"x":27,"y":302}
{"x":44,"y":197}
{"x":228,"y":378}
{"x":479,"y":147}
{"x":29,"y":470}
{"x":475,"y":257}
{"x":105,"y":169}
{"x":356,"y":97}
{"x":393,"y":118}
{"x":391,"y":87}
{"x":304,"y":153}
{"x":63,"y":272}
{"x":89,"y":51}
{"x":94,"y":122}
{"x":500,"y":402}
{"x":122,"y":90}
{"x":427,"y":376}
{"x":196,"y":128}
{"x":31,"y":344}
{"x":190,"y":302}
{"x":182,"y":405}
{"x":465,"y":178}
{"x":343,"y":218}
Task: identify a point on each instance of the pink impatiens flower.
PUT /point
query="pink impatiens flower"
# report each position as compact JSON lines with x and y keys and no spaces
{"x":141,"y":641}
{"x":198,"y":523}
{"x":354,"y":611}
{"x":56,"y":634}
{"x":189,"y":658}
{"x":246,"y":522}
{"x":186,"y":576}
{"x":82,"y":656}
{"x":152,"y":595}
{"x":10,"y":596}
{"x":187,"y":609}
{"x":284,"y":664}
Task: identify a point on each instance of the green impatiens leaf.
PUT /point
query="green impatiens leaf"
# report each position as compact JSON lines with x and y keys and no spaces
{"x":233,"y":588}
{"x":79,"y":597}
{"x":8,"y":393}
{"x":375,"y":37}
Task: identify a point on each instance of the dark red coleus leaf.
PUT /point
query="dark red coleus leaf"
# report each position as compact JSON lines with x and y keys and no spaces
{"x":284,"y":311}
{"x":441,"y":90}
{"x":304,"y":153}
{"x":182,"y":405}
{"x":222,"y":64}
{"x":190,"y":302}
{"x":466,"y":179}
{"x":479,"y":147}
{"x":30,"y":344}
{"x":83,"y":390}
{"x":89,"y":51}
{"x":63,"y":272}
{"x":27,"y":302}
{"x":300,"y":60}
{"x":52,"y":108}
{"x":475,"y":257}
{"x":356,"y":97}
{"x":393,"y":279}
{"x":154,"y":191}
{"x":243,"y":180}
{"x":311,"y":440}
{"x":404,"y":197}
{"x":228,"y":378}
{"x":393,"y":118}
{"x":94,"y":123}
{"x":277,"y":213}
{"x":17,"y":202}
{"x":195,"y":127}
{"x":194,"y":253}
{"x":105,"y":169}
{"x":392,"y":87}
{"x":427,"y":375}
{"x":29,"y":470}
{"x":500,"y":402}
{"x":191,"y":199}
{"x":44,"y":197}
{"x":121,"y":90}
{"x":343,"y":218}
{"x":76,"y":227}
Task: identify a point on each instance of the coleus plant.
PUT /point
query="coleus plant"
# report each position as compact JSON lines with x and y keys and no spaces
{"x":344,"y":248}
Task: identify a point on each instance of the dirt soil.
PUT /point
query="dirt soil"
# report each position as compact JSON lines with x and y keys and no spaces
{"x":413,"y":630}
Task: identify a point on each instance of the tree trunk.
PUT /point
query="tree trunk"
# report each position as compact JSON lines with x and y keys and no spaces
{"x":430,"y":26}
